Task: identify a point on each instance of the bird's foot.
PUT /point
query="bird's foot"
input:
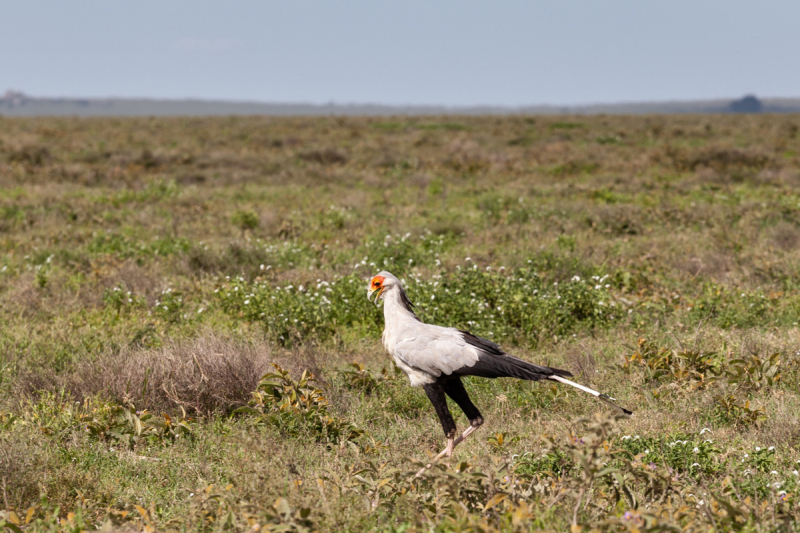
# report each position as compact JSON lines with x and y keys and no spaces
{"x":448,"y":451}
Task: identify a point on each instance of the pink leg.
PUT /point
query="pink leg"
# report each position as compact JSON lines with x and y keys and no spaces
{"x":448,"y":451}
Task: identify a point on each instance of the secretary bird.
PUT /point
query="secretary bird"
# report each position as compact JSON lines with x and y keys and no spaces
{"x":436,"y":357}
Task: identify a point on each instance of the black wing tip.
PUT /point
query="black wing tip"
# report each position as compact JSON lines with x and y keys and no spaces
{"x":495,"y":362}
{"x":562,"y":373}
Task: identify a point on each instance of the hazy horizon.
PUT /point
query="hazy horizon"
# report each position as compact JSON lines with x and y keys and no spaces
{"x":722,"y":99}
{"x":454,"y":54}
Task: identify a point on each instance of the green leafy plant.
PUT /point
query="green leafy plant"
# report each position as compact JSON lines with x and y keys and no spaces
{"x":106,"y":421}
{"x":170,"y":306}
{"x":129,"y":427}
{"x":753,"y":372}
{"x":729,"y":409}
{"x":660,"y":363}
{"x":215,"y":506}
{"x":296,"y":407}
{"x":679,"y":452}
{"x":763,"y":459}
{"x":119,"y":299}
{"x":244,"y":220}
{"x":500,"y":440}
{"x":357,"y":377}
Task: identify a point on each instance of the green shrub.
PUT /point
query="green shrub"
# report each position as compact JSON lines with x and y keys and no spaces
{"x":519,"y":306}
{"x":170,"y":306}
{"x":660,"y":364}
{"x":244,"y":219}
{"x":296,"y":407}
{"x":357,"y":377}
{"x":119,"y":299}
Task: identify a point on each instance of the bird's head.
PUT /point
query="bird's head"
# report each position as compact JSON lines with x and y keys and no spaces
{"x":380,"y":283}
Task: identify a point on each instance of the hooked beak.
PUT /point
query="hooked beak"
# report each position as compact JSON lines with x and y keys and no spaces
{"x":376,"y":292}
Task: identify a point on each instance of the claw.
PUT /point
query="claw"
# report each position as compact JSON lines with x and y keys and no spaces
{"x":448,"y":451}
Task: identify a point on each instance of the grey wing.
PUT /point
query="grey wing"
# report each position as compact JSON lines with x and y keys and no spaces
{"x":436,"y":351}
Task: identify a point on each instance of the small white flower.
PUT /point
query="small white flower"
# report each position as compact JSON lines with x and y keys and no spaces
{"x":695,"y":464}
{"x":696,"y":450}
{"x":704,"y":430}
{"x":758,"y":449}
{"x":771,"y":448}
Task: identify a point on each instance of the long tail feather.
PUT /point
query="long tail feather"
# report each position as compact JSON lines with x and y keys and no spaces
{"x":602,"y":397}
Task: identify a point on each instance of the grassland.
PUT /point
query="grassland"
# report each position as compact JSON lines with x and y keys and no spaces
{"x":154,"y":270}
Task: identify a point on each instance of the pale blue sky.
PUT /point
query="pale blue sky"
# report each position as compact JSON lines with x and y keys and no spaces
{"x":412,"y":52}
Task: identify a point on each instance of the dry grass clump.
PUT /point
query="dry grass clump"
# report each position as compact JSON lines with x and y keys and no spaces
{"x":616,"y":219}
{"x":33,"y":155}
{"x":716,"y":157}
{"x":786,"y":236}
{"x":326,"y":156}
{"x":20,"y":460}
{"x":205,"y":375}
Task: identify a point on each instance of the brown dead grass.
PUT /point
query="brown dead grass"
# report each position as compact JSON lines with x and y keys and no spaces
{"x":205,"y":375}
{"x":21,"y":459}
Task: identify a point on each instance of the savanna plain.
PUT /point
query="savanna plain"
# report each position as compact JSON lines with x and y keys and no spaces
{"x":186,"y":344}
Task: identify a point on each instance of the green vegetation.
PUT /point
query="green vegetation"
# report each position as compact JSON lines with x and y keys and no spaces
{"x":186,"y":344}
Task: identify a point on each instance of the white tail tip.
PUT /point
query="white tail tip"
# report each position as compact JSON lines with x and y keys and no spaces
{"x":602,"y":397}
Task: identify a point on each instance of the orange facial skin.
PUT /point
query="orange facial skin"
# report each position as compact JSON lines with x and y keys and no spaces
{"x":376,"y":285}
